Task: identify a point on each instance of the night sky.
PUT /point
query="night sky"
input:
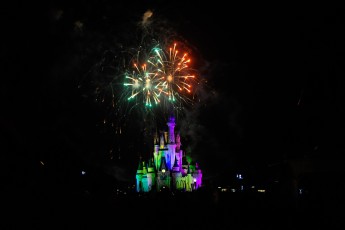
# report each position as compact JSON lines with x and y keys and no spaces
{"x":275,"y":83}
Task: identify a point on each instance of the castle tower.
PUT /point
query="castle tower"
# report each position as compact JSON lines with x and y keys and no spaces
{"x":178,"y":151}
{"x":168,"y":167}
{"x":139,"y":177}
{"x":176,"y":176}
{"x":178,"y":142}
{"x":189,"y":180}
{"x":170,"y":156}
{"x":163,"y":176}
{"x":151,"y":176}
{"x":197,"y":175}
{"x":171,"y":125}
{"x":145,"y":182}
{"x":156,"y":157}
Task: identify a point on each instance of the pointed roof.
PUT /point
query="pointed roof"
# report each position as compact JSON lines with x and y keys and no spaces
{"x":178,"y":140}
{"x":151,"y":165}
{"x":175,"y":163}
{"x":144,"y":168}
{"x":176,"y":167}
{"x":163,"y":164}
{"x":184,"y":160}
{"x":162,"y":140}
{"x":140,"y":166}
{"x":156,"y":138}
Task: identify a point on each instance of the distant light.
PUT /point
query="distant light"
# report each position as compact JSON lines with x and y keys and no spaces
{"x":83,"y":172}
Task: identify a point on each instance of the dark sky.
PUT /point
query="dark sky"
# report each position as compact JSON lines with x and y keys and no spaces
{"x":275,"y":78}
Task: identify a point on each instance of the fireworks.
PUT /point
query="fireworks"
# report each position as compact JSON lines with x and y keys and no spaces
{"x":143,"y":74}
{"x":165,"y":77}
{"x":147,"y":75}
{"x":143,"y":83}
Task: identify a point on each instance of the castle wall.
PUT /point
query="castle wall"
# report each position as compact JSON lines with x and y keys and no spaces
{"x":183,"y":177}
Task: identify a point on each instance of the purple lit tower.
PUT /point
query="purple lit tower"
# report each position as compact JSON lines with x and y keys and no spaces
{"x":168,"y":168}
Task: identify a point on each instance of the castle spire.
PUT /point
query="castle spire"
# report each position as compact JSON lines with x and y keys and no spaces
{"x":168,"y":167}
{"x":178,"y":142}
{"x":156,"y":138}
{"x":151,"y":164}
{"x":188,"y":169}
{"x":163,"y":165}
{"x":162,"y":142}
{"x":140,"y":166}
{"x":171,"y":124}
{"x":175,"y":163}
{"x":144,"y":168}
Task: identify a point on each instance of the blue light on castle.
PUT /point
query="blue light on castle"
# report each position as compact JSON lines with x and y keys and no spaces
{"x":168,"y":167}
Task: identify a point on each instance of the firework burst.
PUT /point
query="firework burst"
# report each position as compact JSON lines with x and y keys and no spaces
{"x":143,"y":84}
{"x":148,"y":78}
{"x":141,"y":79}
{"x":174,"y":73}
{"x":165,"y":79}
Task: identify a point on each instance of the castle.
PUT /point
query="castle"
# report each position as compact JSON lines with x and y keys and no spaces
{"x":168,"y":168}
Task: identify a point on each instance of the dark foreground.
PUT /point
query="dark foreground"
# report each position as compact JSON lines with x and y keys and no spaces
{"x":204,"y":209}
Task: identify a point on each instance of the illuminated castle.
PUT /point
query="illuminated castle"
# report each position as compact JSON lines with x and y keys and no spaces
{"x":168,"y":168}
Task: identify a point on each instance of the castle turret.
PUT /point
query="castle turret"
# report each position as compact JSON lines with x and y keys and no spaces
{"x":162,"y":142}
{"x":176,"y":176}
{"x":170,"y":156}
{"x":164,"y":179}
{"x":139,"y":177}
{"x":168,"y":167}
{"x":151,"y":176}
{"x":171,"y":125}
{"x":179,"y":151}
{"x":189,"y":180}
{"x":156,"y":143}
{"x":156,"y":138}
{"x":144,"y":178}
{"x":178,"y":142}
{"x":176,"y":167}
{"x":164,"y":167}
{"x":184,"y":165}
{"x":197,"y":175}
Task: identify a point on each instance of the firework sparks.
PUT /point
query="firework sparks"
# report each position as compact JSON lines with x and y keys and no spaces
{"x":149,"y":78}
{"x":144,"y":82}
{"x":166,"y":76}
{"x":175,"y":73}
{"x":143,"y":76}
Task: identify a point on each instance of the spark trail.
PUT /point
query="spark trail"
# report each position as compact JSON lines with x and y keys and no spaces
{"x":165,"y":78}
